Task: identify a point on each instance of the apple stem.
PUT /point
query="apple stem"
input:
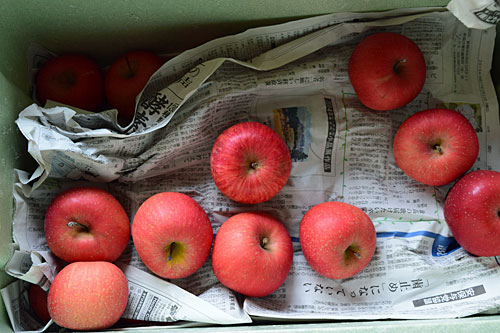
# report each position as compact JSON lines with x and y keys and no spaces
{"x":254,"y":165}
{"x":171,"y":250}
{"x":397,"y":64}
{"x":73,"y":224}
{"x":129,"y":67}
{"x":354,"y":252}
{"x":263,"y":243}
{"x":437,"y":147}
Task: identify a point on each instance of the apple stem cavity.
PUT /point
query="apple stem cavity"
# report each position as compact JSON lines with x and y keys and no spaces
{"x":68,"y":79}
{"x":254,"y":165}
{"x":73,"y":224}
{"x":397,"y":65}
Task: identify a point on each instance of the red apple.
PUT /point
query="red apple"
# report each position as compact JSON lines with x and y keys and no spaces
{"x":472,"y":211}
{"x":71,"y":79}
{"x":172,"y":235}
{"x":387,"y":71}
{"x":88,"y":295}
{"x":38,"y":302}
{"x":252,"y":254}
{"x":250,"y":163}
{"x":126,"y":78}
{"x":435,"y":146}
{"x":337,"y":239}
{"x":86,"y":224}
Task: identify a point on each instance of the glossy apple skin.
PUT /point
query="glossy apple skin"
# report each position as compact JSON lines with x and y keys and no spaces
{"x":387,"y":71}
{"x":103,"y":231}
{"x":88,"y":295}
{"x":472,"y":211}
{"x":72,"y":79}
{"x":329,"y":233}
{"x":250,"y":163}
{"x":415,"y":151}
{"x":167,"y":218}
{"x":242,"y":264}
{"x":126,"y":77}
{"x":38,"y":302}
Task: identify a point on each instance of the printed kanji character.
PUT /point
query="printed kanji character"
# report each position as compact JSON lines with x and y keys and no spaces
{"x":173,"y":309}
{"x":185,"y":81}
{"x":470,"y":292}
{"x":307,"y":284}
{"x":155,"y":104}
{"x":417,"y":283}
{"x":140,"y":120}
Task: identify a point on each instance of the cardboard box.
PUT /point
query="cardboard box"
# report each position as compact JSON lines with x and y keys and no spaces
{"x":104,"y":30}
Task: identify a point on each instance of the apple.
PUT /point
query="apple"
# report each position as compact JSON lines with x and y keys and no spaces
{"x":337,"y":239}
{"x":252,"y":254}
{"x":435,"y":146}
{"x":88,"y":295}
{"x":472,"y":211}
{"x":387,"y":71}
{"x":38,"y":302}
{"x":86,"y":224}
{"x":71,"y":79}
{"x":126,"y":77}
{"x":250,"y":163}
{"x":172,"y":235}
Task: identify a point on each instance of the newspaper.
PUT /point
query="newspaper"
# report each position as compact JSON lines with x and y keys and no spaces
{"x":292,"y":77}
{"x":478,"y":14}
